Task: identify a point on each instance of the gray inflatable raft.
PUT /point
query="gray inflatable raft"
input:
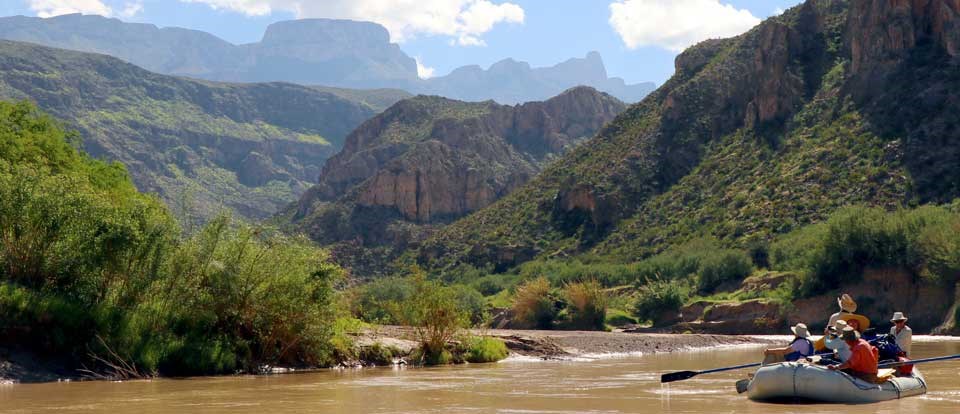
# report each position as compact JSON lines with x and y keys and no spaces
{"x":789,"y":380}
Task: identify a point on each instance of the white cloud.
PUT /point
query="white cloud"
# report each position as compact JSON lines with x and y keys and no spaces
{"x":464,"y":20}
{"x":778,"y":11}
{"x":676,"y":24}
{"x":50,"y":8}
{"x":423,"y":71}
{"x":131,"y":9}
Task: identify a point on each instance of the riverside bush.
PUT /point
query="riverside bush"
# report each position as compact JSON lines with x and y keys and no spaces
{"x":923,"y":241}
{"x":91,"y":268}
{"x":656,"y":299}
{"x":485,"y":349}
{"x":534,"y":304}
{"x":722,"y":266}
{"x":432,"y":310}
{"x":587,"y":305}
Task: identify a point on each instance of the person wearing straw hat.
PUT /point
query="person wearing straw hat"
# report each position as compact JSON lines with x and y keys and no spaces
{"x":799,"y":348}
{"x":902,"y":332}
{"x":832,"y":340}
{"x":848,"y":309}
{"x":863,"y":357}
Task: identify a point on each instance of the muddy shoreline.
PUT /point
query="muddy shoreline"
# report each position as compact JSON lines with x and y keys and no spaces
{"x":572,"y":344}
{"x":18,"y":366}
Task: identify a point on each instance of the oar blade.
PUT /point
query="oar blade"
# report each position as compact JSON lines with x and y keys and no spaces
{"x":677,"y":376}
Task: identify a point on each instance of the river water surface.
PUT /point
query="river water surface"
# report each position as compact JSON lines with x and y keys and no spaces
{"x":603,"y":385}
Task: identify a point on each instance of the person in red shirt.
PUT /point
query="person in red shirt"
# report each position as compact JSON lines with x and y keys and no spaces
{"x":863,"y":359}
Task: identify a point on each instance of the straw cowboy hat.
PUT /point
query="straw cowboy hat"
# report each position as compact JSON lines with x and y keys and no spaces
{"x":862,"y":320}
{"x":839,"y":326}
{"x":800,"y":330}
{"x":898,"y":316}
{"x":847,"y":303}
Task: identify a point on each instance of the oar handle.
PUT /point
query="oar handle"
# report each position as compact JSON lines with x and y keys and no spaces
{"x":917,"y":361}
{"x":755,"y":364}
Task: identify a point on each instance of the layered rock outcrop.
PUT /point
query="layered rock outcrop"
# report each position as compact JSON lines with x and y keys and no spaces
{"x":430,"y":160}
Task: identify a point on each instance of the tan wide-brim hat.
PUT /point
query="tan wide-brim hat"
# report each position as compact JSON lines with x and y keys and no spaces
{"x":839,"y":325}
{"x":847,"y":303}
{"x":898,"y":316}
{"x":862,"y":320}
{"x":800,"y":330}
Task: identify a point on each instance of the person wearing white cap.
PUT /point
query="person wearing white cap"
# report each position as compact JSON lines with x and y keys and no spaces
{"x":902,"y":332}
{"x":832,"y":340}
{"x":800,"y":348}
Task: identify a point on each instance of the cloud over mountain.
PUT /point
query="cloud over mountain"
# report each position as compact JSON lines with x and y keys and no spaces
{"x":676,"y":24}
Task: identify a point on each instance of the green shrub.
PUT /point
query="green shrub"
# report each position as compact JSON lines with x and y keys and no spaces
{"x":485,"y":349}
{"x":617,"y":317}
{"x":380,"y":301}
{"x":587,"y":305}
{"x":657,"y":298}
{"x":378,"y":354}
{"x":534,"y":305}
{"x":722,"y":266}
{"x":433,"y":311}
{"x":471,"y":303}
{"x":923,"y":241}
{"x":91,"y":266}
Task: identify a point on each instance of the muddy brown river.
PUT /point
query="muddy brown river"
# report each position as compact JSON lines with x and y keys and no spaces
{"x":627,"y":384}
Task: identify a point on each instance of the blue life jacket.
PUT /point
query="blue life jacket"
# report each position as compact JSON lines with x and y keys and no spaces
{"x":808,"y":350}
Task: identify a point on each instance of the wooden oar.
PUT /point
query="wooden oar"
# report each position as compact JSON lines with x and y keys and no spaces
{"x":682,"y":375}
{"x":917,"y":361}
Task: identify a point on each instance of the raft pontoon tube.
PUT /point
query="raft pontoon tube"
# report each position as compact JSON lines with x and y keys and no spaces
{"x":792,"y":380}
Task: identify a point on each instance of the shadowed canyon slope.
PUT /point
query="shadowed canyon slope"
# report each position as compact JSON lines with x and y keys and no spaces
{"x":429,"y":160}
{"x":338,"y":53}
{"x":832,"y":103}
{"x":251,"y":148}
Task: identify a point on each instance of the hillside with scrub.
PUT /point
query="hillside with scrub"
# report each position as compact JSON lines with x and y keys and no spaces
{"x":833,"y":124}
{"x":201,"y":146}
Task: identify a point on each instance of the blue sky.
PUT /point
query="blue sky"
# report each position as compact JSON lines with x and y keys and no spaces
{"x":444,"y":34}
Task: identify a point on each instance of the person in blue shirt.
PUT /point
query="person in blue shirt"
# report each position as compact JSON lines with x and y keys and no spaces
{"x":799,"y":348}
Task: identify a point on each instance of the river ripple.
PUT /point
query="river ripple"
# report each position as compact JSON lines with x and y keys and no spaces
{"x":628,"y":384}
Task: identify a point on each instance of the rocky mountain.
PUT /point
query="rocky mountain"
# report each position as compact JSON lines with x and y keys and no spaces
{"x":251,"y":148}
{"x":337,"y":53}
{"x":428,"y":160}
{"x":509,"y":81}
{"x":832,"y":103}
{"x":326,"y":52}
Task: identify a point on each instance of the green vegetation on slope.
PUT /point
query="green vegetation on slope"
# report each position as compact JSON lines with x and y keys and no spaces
{"x":92,"y":269}
{"x":250,"y":148}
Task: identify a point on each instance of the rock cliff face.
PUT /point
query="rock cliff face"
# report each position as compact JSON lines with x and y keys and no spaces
{"x":830,"y":104}
{"x":249,"y":148}
{"x":430,"y":160}
{"x":883,"y":32}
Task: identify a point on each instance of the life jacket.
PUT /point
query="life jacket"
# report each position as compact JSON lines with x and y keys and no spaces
{"x":794,"y":356}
